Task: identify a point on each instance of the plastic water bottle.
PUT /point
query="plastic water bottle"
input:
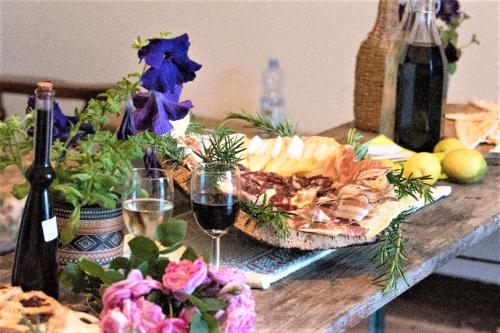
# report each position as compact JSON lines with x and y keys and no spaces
{"x":272,"y":105}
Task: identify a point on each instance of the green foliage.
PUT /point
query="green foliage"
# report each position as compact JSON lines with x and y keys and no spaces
{"x":167,"y":148}
{"x":285,"y":128}
{"x":195,"y":126}
{"x":15,"y":144}
{"x":354,"y":140}
{"x":223,"y":147}
{"x":88,"y":276}
{"x":266,"y":215}
{"x":413,"y":187}
{"x":391,"y":255}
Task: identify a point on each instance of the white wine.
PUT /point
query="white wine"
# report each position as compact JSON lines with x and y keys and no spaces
{"x":143,"y":215}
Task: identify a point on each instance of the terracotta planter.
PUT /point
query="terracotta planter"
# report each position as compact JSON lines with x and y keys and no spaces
{"x":99,"y":237}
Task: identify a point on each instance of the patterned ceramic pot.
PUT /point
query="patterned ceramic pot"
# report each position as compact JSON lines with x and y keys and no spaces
{"x":99,"y":237}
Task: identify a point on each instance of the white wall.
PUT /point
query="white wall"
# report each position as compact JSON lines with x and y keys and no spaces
{"x":316,"y":42}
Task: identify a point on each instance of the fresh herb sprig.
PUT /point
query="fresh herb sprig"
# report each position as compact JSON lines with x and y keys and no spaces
{"x":223,"y":147}
{"x":262,"y":123}
{"x":167,"y":148}
{"x":263,"y":214}
{"x":391,"y":255}
{"x":414,"y":187}
{"x":195,"y":126}
{"x":354,"y":140}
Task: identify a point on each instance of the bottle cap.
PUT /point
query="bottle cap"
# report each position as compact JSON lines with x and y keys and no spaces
{"x":274,"y":63}
{"x":45,"y":85}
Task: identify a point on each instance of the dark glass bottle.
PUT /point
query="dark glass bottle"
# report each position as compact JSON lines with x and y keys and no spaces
{"x":421,"y":83}
{"x":35,"y":264}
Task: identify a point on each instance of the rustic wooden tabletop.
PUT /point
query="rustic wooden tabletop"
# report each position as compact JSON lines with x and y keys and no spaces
{"x":336,"y":292}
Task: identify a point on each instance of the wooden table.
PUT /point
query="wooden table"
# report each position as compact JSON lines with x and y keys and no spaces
{"x":336,"y":292}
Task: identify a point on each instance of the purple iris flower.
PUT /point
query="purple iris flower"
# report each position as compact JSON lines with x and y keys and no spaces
{"x":155,"y":110}
{"x":127,"y":126}
{"x":61,"y":123}
{"x":170,"y":64}
{"x":450,"y":9}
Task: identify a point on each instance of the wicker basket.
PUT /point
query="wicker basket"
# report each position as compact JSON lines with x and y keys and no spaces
{"x":370,"y":67}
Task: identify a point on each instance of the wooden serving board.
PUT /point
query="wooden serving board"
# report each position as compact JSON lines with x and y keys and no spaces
{"x":296,"y":239}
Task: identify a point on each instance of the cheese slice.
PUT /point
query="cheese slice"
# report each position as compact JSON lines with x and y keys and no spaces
{"x":295,"y":148}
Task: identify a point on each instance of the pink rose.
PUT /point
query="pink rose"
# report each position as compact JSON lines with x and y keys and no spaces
{"x":134,"y":286}
{"x":225,"y":275}
{"x":140,"y":316}
{"x":183,"y":277}
{"x":239,"y":316}
{"x":172,"y":325}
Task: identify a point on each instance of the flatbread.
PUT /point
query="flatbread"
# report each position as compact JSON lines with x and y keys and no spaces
{"x":472,"y":133}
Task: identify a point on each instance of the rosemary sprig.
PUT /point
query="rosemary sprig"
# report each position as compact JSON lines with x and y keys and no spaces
{"x":167,"y":148}
{"x":354,"y":140}
{"x":414,"y":187}
{"x":223,"y":147}
{"x":391,"y":254}
{"x":265,"y":214}
{"x":260,"y":122}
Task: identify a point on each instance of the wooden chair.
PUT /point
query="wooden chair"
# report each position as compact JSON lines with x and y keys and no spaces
{"x":26,"y":86}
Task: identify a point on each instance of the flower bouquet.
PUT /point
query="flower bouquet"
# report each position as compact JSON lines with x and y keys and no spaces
{"x":148,"y":293}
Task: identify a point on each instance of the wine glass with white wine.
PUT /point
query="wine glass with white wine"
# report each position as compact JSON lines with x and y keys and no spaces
{"x":148,"y":200}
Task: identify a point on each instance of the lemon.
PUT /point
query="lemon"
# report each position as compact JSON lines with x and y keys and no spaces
{"x":447,"y":145}
{"x":465,"y":166}
{"x":440,"y":157}
{"x":423,"y":164}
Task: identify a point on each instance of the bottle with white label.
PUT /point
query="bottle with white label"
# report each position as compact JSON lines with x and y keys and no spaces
{"x":35,"y":265}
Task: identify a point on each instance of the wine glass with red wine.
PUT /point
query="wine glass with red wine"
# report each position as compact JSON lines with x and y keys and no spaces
{"x":215,"y":199}
{"x":148,"y":200}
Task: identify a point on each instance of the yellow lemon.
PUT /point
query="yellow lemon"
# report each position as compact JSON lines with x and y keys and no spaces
{"x":440,"y":157}
{"x":447,"y":145}
{"x":423,"y":164}
{"x":465,"y":166}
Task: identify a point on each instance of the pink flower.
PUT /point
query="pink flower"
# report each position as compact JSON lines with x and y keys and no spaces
{"x":187,"y":314}
{"x":225,"y":275}
{"x":140,"y":316}
{"x":183,"y":277}
{"x":172,"y":325}
{"x":239,"y":316}
{"x":134,"y":286}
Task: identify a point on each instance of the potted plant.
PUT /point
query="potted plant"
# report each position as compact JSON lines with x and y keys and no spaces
{"x":91,"y":161}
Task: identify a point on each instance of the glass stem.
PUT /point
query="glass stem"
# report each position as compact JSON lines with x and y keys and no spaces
{"x":216,"y":252}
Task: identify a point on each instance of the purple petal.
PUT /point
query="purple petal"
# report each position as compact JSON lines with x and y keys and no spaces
{"x":163,"y":79}
{"x":152,"y":117}
{"x":127,"y":126}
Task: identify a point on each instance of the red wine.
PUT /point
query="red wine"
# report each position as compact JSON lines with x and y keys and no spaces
{"x":216,"y":213}
{"x":421,"y":91}
{"x":35,"y":265}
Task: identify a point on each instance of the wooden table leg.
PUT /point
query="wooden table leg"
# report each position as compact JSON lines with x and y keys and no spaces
{"x":376,"y":321}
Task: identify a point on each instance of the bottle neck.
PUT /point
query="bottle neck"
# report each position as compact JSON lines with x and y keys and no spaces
{"x":424,"y":30}
{"x":44,"y":114}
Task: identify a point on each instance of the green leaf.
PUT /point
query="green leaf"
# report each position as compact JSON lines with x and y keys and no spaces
{"x":91,"y":268}
{"x":143,"y":248}
{"x":452,"y":67}
{"x":171,"y":249}
{"x":206,"y":256}
{"x":112,"y":276}
{"x":157,"y":268}
{"x":73,"y":277}
{"x":68,"y":232}
{"x":81,"y":176}
{"x":171,"y":232}
{"x":120,"y":263}
{"x":198,"y":325}
{"x":107,"y":200}
{"x":19,"y":191}
{"x":207,"y":304}
{"x":68,"y":189}
{"x":189,"y":254}
{"x":212,"y":323}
